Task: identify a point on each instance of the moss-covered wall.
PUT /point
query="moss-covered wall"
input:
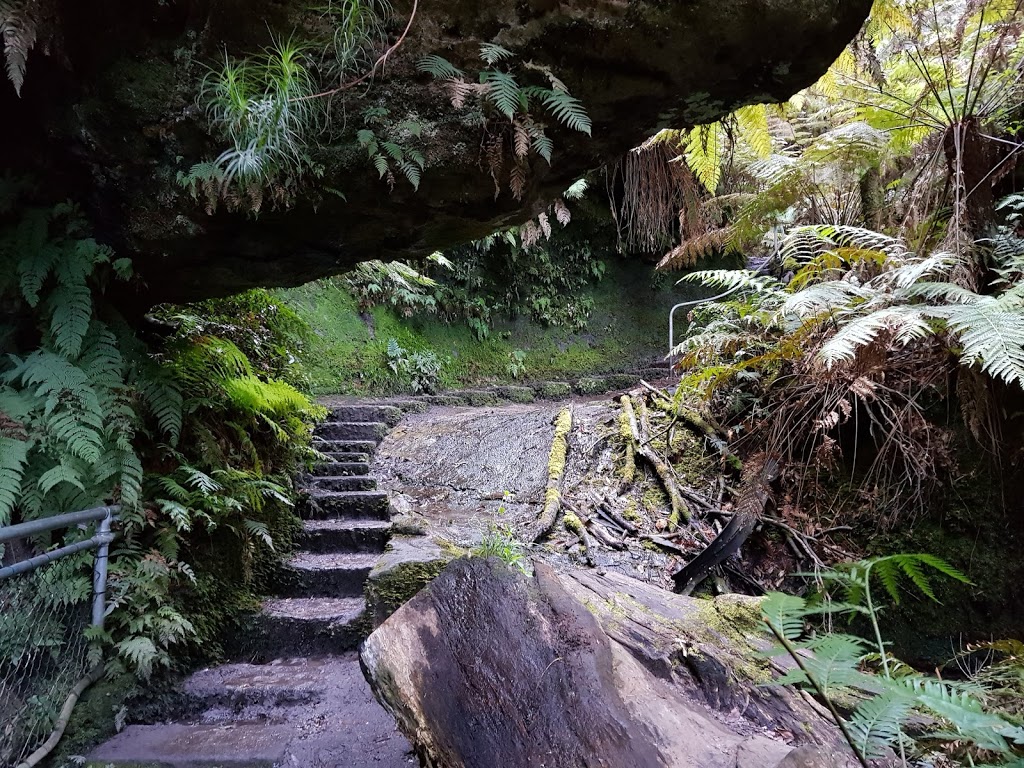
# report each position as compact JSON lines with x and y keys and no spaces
{"x":627,"y":330}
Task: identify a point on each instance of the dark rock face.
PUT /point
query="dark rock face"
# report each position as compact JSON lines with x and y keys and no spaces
{"x":113,"y":119}
{"x":485,"y":667}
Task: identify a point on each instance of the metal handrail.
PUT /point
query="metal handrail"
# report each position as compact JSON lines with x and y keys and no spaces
{"x":672,"y":312}
{"x":100,"y":541}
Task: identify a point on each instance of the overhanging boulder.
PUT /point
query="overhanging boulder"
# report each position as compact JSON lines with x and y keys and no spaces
{"x":487,"y":667}
{"x":112,"y":118}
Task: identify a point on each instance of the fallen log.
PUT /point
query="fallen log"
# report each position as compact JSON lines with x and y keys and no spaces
{"x":661,"y":468}
{"x":556,"y":472}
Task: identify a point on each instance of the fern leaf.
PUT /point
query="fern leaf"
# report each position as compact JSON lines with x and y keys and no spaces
{"x":503,"y":91}
{"x":753,"y":127}
{"x":876,"y":723}
{"x":704,"y":154}
{"x":568,"y":110}
{"x":785,"y":614}
{"x":18,"y":29}
{"x":962,"y":711}
{"x":904,"y":323}
{"x":13,"y":458}
{"x":71,"y":309}
{"x":439,"y":67}
{"x":992,"y":337}
{"x":492,"y":53}
{"x":61,"y":473}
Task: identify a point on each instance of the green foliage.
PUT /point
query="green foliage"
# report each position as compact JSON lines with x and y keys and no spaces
{"x":67,"y":415}
{"x":511,"y":110}
{"x":89,"y":415}
{"x":398,"y":154}
{"x":835,"y":664}
{"x":262,"y":107}
{"x":500,"y":541}
{"x":422,"y":370}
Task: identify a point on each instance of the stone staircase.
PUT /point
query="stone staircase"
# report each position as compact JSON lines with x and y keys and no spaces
{"x":305,"y":701}
{"x":299,"y":698}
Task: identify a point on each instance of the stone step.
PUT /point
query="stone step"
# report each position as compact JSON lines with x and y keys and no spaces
{"x":256,"y":689}
{"x":657,"y":374}
{"x":339,"y":468}
{"x":200,"y":745}
{"x":350,"y":457}
{"x":369,"y":447}
{"x":388,"y":414}
{"x":410,"y":406}
{"x":309,"y":627}
{"x":327,"y":505}
{"x":446,"y":399}
{"x":352,"y":430}
{"x":328,"y":716}
{"x":478,"y":397}
{"x":345,"y":535}
{"x":344,"y":483}
{"x":516,"y":394}
{"x":327,"y":574}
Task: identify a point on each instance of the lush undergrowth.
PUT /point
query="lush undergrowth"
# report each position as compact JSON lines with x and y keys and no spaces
{"x":187,"y":420}
{"x":347,"y":354}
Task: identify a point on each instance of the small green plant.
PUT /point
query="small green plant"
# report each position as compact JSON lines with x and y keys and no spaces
{"x":422,"y":370}
{"x":498,"y":91}
{"x":516,"y":366}
{"x":396,"y":155}
{"x":500,"y":541}
{"x":890,"y":693}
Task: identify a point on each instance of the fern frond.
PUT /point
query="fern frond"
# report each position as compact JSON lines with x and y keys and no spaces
{"x":492,"y":53}
{"x":705,"y":154}
{"x":13,"y":458}
{"x":19,"y":28}
{"x":904,"y":323}
{"x":752,"y":122}
{"x":876,"y":724}
{"x":503,"y":91}
{"x":991,"y":336}
{"x":730,"y":279}
{"x":692,"y":250}
{"x":785,"y":614}
{"x":568,"y":110}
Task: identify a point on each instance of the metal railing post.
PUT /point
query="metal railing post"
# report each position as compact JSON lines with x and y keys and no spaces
{"x":99,"y":571}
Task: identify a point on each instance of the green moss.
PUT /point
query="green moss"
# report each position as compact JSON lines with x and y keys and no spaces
{"x":389,"y":590}
{"x":92,"y":720}
{"x":347,"y":354}
{"x":554,"y":390}
{"x":654,"y":499}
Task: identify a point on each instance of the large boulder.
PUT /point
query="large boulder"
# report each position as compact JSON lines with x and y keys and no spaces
{"x":111,"y":118}
{"x":488,"y":667}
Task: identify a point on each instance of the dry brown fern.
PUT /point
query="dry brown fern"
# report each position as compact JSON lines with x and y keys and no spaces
{"x":22,"y":22}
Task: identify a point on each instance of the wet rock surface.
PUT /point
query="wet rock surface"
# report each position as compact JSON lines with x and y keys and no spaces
{"x":487,"y":667}
{"x":293,"y":712}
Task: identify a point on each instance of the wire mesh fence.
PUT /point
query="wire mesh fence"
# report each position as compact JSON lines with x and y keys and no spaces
{"x":46,"y":607}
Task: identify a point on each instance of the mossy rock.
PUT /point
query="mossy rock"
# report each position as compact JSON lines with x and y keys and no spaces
{"x":592,"y":385}
{"x":553,"y":390}
{"x":410,"y":563}
{"x":479,"y":398}
{"x":451,"y":401}
{"x":516,"y":394}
